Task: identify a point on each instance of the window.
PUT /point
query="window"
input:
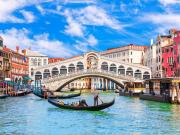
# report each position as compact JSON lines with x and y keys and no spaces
{"x":167,"y":50}
{"x":45,"y":62}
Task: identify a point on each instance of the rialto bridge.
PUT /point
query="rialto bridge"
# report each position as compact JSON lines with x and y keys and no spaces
{"x":57,"y":75}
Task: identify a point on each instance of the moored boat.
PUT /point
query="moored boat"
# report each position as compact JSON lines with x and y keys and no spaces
{"x":74,"y":107}
{"x":3,"y":96}
{"x":45,"y":95}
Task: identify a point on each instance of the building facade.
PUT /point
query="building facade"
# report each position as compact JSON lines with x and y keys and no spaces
{"x":150,"y":58}
{"x":36,"y":59}
{"x":7,"y":62}
{"x":20,"y":66}
{"x":170,"y":55}
{"x":130,"y":53}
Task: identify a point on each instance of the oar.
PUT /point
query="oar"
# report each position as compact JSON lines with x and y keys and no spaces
{"x":100,"y":99}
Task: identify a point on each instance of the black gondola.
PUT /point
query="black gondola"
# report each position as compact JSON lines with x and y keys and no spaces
{"x":88,"y":108}
{"x":3,"y":96}
{"x":45,"y":96}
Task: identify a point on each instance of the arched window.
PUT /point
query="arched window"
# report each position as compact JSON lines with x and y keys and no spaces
{"x":138,"y":74}
{"x":129,"y":71}
{"x":104,"y":66}
{"x":121,"y":70}
{"x":113,"y":68}
{"x":55,"y":71}
{"x":38,"y":75}
{"x":146,"y":75}
{"x":46,"y":73}
{"x":80,"y":66}
{"x":71,"y":68}
{"x":63,"y":70}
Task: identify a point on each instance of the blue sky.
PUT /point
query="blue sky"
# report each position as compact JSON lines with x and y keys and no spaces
{"x":64,"y":28}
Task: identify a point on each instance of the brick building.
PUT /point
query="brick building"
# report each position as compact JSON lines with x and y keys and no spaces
{"x":20,"y":66}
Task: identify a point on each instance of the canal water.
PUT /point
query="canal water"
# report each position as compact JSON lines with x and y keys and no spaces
{"x":31,"y":115}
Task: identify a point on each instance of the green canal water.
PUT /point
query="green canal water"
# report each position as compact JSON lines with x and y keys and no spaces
{"x":31,"y":115}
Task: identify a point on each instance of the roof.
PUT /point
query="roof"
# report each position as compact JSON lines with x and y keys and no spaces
{"x":31,"y":53}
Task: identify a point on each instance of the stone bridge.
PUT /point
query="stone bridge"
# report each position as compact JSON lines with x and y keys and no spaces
{"x":92,"y":64}
{"x":56,"y":83}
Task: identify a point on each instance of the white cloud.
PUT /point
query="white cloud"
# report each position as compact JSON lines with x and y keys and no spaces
{"x":78,"y":19}
{"x":8,"y":7}
{"x":79,"y":1}
{"x":41,"y":9}
{"x":92,"y":15}
{"x":28,"y":16}
{"x":86,"y":44}
{"x":169,"y":2}
{"x":92,"y":41}
{"x":42,"y":43}
{"x":163,"y":21}
{"x":73,"y":28}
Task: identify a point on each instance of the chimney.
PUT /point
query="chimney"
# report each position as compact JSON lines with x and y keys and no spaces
{"x":17,"y":49}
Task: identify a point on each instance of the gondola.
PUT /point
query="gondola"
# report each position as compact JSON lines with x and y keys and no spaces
{"x":88,"y":108}
{"x":3,"y":96}
{"x":45,"y":96}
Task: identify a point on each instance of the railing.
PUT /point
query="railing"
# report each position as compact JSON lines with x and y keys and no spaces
{"x":86,"y":72}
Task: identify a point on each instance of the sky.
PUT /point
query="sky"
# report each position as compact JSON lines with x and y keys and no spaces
{"x":65,"y":28}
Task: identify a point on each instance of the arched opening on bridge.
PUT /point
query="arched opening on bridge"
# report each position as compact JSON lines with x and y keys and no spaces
{"x":104,"y":66}
{"x":99,"y":82}
{"x":38,"y":75}
{"x":129,"y":71}
{"x":80,"y":66}
{"x":71,"y":68}
{"x":55,"y":71}
{"x":46,"y":73}
{"x":121,"y":70}
{"x":138,"y":74}
{"x":63,"y":70}
{"x":146,"y":75}
{"x":113,"y":68}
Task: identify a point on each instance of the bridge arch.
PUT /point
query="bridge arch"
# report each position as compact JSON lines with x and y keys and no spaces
{"x":138,"y":74}
{"x":71,"y":68}
{"x":121,"y":70}
{"x":104,"y":66}
{"x":129,"y":71}
{"x":55,"y":71}
{"x":46,"y":73}
{"x":63,"y":70}
{"x":113,"y":68}
{"x":80,"y":66}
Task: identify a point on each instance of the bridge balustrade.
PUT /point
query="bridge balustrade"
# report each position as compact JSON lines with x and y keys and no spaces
{"x":87,"y":71}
